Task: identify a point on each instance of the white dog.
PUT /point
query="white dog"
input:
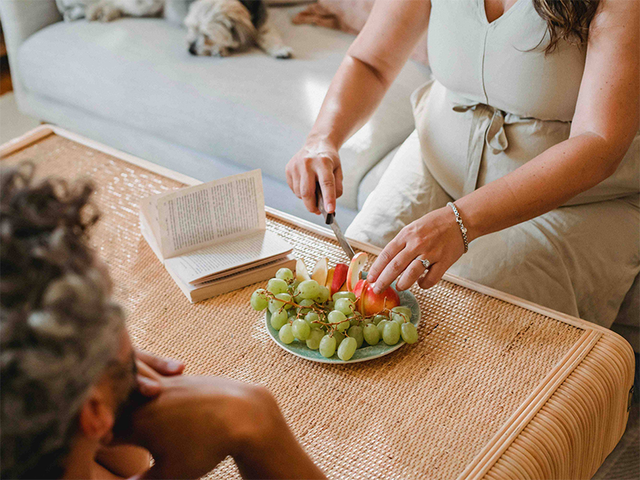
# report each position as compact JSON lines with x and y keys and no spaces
{"x":215,"y":27}
{"x":218,"y":27}
{"x":107,"y":10}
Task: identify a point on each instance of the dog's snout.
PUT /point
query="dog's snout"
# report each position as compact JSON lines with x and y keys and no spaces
{"x":192,"y":48}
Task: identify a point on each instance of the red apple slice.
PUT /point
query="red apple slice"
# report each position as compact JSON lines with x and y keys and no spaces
{"x":339,"y":277}
{"x":355,"y":269}
{"x":320,"y":271}
{"x":301,"y":271}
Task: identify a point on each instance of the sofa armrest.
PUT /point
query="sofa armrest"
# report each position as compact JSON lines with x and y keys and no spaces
{"x":20,"y":20}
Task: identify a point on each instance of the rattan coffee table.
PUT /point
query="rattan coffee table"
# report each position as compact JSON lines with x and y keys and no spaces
{"x":495,"y":388}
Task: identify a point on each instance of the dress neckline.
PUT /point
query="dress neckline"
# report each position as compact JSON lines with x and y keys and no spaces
{"x":483,"y":12}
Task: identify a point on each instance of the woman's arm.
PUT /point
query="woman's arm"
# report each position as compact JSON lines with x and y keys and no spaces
{"x":372,"y":63}
{"x":604,"y":124}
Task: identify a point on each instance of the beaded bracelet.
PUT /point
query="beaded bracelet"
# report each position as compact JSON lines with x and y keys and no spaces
{"x":463,"y":229}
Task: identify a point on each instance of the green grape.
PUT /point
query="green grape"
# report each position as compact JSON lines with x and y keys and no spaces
{"x":309,"y":289}
{"x":330,"y":305}
{"x":327,"y":346}
{"x":259,"y":300}
{"x":274,"y":305}
{"x":277,"y":286}
{"x":279,"y":319}
{"x":357,"y":333}
{"x":285,"y":274}
{"x":378,"y":318}
{"x":313,"y":342}
{"x":301,"y":329}
{"x":286,"y":334}
{"x":293,"y":286}
{"x":391,"y":333}
{"x":285,"y":297}
{"x":292,"y":313}
{"x":312,"y":317}
{"x":339,"y":336}
{"x":409,"y":333}
{"x":324,"y":294}
{"x":347,"y":348}
{"x":345,"y":305}
{"x":371,"y":334}
{"x":338,"y":295}
{"x":339,"y":319}
{"x":401,"y":314}
{"x":354,"y":321}
{"x":381,"y":325}
{"x":306,"y":303}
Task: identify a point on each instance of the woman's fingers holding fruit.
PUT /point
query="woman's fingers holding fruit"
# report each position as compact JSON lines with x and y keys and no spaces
{"x":412,"y":273}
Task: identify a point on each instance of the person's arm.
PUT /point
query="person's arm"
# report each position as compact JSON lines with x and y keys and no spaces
{"x":604,"y":125}
{"x":196,"y":422}
{"x":124,"y":461}
{"x":372,"y":63}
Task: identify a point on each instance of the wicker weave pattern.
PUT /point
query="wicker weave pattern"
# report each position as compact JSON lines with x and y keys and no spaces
{"x":423,"y":412}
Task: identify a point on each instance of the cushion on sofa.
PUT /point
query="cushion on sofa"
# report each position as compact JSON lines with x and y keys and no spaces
{"x":248,"y":109}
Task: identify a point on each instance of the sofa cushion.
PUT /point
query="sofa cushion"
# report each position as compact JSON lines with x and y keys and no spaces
{"x":248,"y":109}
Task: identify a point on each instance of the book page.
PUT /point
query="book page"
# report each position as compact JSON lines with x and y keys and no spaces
{"x":211,"y":213}
{"x":226,"y":256}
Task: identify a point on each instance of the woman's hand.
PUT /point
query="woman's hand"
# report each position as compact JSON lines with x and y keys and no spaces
{"x":316,"y":163}
{"x":151,"y":369}
{"x":435,"y":237}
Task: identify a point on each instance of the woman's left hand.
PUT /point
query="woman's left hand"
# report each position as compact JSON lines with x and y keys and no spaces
{"x":435,"y":237}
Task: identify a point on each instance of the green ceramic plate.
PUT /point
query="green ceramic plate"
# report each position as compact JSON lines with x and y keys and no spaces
{"x":363,"y":354}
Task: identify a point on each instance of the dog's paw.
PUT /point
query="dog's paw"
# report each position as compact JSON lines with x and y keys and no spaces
{"x":281,"y":52}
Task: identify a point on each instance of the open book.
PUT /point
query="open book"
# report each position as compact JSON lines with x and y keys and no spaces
{"x":212,"y":238}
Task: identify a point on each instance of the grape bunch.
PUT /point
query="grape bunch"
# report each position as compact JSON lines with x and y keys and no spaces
{"x":303,"y":311}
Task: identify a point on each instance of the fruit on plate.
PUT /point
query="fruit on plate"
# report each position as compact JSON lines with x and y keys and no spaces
{"x":338,"y":280}
{"x":355,"y":270}
{"x":319,"y":312}
{"x":370,"y":302}
{"x":301,"y":271}
{"x":320,"y":271}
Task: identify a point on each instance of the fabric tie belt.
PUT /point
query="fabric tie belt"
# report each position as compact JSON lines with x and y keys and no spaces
{"x":487,"y":127}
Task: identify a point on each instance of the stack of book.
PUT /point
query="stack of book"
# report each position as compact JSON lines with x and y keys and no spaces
{"x":212,"y":238}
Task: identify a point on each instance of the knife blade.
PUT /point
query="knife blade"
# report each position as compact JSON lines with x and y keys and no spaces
{"x":330,"y":219}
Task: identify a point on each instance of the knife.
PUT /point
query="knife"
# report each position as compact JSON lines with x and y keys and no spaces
{"x":330,"y":219}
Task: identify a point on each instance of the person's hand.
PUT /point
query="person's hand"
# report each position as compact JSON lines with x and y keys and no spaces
{"x":316,"y":163}
{"x":435,"y":237}
{"x":151,"y":369}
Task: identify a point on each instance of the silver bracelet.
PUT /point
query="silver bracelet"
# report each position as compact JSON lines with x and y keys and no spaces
{"x":463,"y":229}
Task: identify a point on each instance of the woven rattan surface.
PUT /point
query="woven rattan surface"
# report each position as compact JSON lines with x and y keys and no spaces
{"x":423,"y":412}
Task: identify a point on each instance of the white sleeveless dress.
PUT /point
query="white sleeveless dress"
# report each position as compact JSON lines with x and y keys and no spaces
{"x":495,"y":102}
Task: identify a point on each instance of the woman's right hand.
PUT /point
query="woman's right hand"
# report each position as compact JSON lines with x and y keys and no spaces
{"x":316,"y":163}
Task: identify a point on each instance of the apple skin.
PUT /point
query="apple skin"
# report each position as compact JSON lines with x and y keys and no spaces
{"x":371,"y":303}
{"x":339,"y":277}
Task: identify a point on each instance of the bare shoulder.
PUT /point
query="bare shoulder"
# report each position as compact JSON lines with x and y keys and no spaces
{"x":613,"y":16}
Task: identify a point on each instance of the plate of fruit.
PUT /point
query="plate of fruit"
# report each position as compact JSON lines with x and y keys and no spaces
{"x":333,"y":315}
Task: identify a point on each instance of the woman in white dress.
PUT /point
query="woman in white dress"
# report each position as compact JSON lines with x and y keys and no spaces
{"x":526,"y":146}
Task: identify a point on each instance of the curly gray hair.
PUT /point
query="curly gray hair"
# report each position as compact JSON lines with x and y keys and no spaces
{"x":59,"y":331}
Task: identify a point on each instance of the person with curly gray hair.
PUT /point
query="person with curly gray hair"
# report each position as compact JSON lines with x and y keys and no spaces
{"x":70,"y":375}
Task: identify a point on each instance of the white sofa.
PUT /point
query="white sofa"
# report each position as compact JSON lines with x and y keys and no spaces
{"x":132,"y":84}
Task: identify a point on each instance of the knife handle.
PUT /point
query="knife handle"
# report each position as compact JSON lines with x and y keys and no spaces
{"x":328,"y":217}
